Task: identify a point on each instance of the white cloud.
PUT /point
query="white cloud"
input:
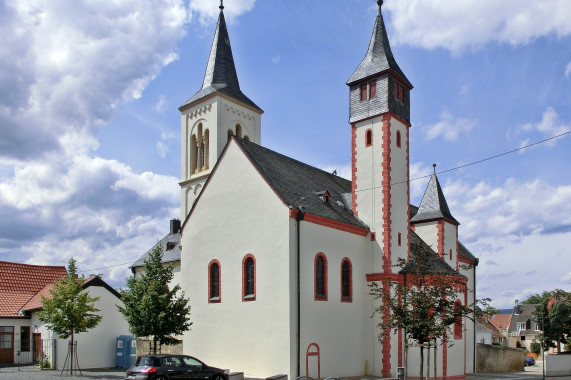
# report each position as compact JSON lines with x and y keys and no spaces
{"x":449,"y":127}
{"x":461,"y":25}
{"x":549,"y":126}
{"x":161,"y":104}
{"x":68,"y":65}
{"x":568,"y":70}
{"x":208,"y":10}
{"x":276,"y":59}
{"x":567,"y":278}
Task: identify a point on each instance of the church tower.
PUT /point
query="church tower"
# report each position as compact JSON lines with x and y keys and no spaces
{"x":208,"y":119}
{"x":380,"y":122}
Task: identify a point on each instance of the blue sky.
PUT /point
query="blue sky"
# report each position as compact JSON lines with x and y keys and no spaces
{"x":89,"y":121}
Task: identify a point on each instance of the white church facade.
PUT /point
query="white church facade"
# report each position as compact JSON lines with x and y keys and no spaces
{"x":276,"y":255}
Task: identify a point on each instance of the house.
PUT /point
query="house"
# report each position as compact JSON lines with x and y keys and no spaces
{"x":502,"y":323}
{"x":277,"y":255}
{"x":26,"y":339}
{"x":487,"y":333}
{"x":523,"y":330}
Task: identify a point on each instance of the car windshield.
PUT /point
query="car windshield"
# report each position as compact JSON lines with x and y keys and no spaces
{"x":191,"y":361}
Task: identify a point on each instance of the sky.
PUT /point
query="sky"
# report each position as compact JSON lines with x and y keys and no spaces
{"x":90,"y":127}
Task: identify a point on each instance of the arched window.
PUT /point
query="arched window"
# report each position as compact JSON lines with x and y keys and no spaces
{"x":239,"y":130}
{"x":398,"y":139}
{"x":246,"y":138}
{"x":206,"y":144}
{"x":214,"y":282}
{"x":193,"y":154}
{"x":230,"y":133}
{"x":368,"y":137}
{"x":346,"y":280}
{"x":458,"y":322}
{"x":320,"y":277}
{"x":248,"y":278}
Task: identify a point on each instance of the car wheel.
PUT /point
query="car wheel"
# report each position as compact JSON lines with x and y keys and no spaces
{"x":218,"y":377}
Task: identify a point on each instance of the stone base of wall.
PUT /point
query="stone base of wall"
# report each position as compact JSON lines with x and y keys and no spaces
{"x":492,"y":358}
{"x":145,"y":347}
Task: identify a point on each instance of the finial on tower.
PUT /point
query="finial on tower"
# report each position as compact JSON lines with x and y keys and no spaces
{"x":222,"y":5}
{"x":434,"y":167}
{"x":380,"y":3}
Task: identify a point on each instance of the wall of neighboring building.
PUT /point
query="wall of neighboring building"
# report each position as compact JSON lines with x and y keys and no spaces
{"x":238,"y":214}
{"x":341,"y":329}
{"x":96,"y":347}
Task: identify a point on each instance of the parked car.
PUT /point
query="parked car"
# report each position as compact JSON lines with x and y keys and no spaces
{"x":168,"y":367}
{"x":528,"y":360}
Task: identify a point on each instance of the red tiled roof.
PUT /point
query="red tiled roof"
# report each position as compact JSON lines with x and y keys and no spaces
{"x":491,"y":327}
{"x":19,"y":283}
{"x":501,"y":321}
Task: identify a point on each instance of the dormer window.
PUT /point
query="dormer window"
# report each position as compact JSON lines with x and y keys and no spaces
{"x":170,"y":245}
{"x":324,"y":196}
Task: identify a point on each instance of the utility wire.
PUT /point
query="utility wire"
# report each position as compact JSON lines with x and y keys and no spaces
{"x":476,"y":162}
{"x":111,"y":266}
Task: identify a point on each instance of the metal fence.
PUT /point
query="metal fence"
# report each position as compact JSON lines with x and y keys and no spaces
{"x":36,"y":354}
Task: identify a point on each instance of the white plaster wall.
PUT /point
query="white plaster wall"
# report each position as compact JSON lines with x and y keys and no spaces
{"x":427,"y":232}
{"x":343,"y":331}
{"x":470,"y":274}
{"x":483,"y":335}
{"x":95,"y":347}
{"x":450,"y":243}
{"x":368,"y":162}
{"x":238,"y":214}
{"x":17,"y":323}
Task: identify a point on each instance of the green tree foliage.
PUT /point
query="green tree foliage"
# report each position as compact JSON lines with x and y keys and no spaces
{"x":553,"y":315}
{"x":69,"y":310}
{"x":150,"y":307}
{"x":423,"y":305}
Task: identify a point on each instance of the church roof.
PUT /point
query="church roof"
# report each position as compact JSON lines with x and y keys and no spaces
{"x":171,"y":250}
{"x":437,"y":264}
{"x":221,"y":73}
{"x":301,"y":185}
{"x":379,"y":57}
{"x":433,"y":204}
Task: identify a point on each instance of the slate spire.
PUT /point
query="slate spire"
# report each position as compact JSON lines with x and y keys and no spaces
{"x":379,"y":57}
{"x":221,"y":73}
{"x":433,"y":204}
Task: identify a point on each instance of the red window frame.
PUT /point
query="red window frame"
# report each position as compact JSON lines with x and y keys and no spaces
{"x":369,"y":138}
{"x":347,"y":290}
{"x":320,"y":294}
{"x":247,"y":296}
{"x":212,"y":298}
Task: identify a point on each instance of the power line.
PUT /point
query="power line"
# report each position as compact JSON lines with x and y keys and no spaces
{"x":476,"y":162}
{"x":111,"y":266}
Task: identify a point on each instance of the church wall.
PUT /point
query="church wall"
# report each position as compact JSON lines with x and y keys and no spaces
{"x":470,"y":273}
{"x":343,"y":331}
{"x":427,"y":232}
{"x":238,"y":214}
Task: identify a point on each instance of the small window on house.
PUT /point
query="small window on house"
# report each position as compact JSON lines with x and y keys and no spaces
{"x":369,"y":137}
{"x":450,"y":254}
{"x":25,"y":338}
{"x":363,"y":92}
{"x":522,"y":337}
{"x":346,"y":280}
{"x":248,"y":278}
{"x":214,"y":282}
{"x":458,"y":322}
{"x":398,"y":139}
{"x":372,"y":89}
{"x":320,"y":277}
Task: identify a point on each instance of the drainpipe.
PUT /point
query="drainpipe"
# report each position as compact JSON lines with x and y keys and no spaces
{"x":298,"y":219}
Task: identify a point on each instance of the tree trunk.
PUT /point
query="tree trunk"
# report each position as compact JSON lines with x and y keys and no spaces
{"x":154,"y":345}
{"x":71,"y":363}
{"x":421,"y":362}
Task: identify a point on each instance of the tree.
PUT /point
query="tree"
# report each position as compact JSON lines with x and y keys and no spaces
{"x":421,"y":301}
{"x":150,"y":307}
{"x":553,"y":315}
{"x":70,"y":310}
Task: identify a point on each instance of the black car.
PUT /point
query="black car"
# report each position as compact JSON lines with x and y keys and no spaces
{"x":167,"y":367}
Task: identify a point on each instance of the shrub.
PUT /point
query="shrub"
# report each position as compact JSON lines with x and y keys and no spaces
{"x":536,"y":348}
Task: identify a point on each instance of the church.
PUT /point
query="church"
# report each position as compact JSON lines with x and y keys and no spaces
{"x":276,"y":255}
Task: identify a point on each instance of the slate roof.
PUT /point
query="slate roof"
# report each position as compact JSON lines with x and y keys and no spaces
{"x":20,"y":282}
{"x":464,"y":252}
{"x":379,"y":57}
{"x":433,"y":204}
{"x":169,"y":256}
{"x":438,"y":264}
{"x":302,"y":185}
{"x":221,"y":73}
{"x":523,"y":313}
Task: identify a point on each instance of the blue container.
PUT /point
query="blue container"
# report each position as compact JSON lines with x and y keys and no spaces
{"x":125,"y":351}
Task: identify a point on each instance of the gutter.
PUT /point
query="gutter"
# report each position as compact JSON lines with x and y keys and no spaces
{"x":300,"y":216}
